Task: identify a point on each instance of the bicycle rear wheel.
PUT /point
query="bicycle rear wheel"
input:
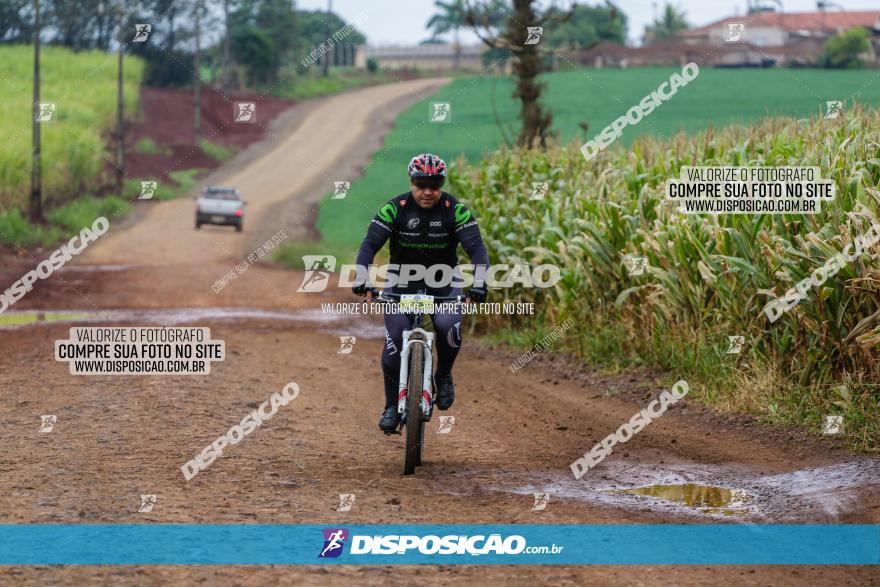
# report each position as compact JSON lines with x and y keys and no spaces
{"x":414,"y":409}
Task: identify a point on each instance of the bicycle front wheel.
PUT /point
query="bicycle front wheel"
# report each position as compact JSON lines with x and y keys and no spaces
{"x":414,"y":409}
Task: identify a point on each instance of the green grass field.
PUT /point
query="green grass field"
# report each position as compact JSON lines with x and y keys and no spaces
{"x":718,"y":97}
{"x":83,"y":87}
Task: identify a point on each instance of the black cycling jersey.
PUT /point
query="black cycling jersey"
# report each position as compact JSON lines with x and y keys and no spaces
{"x":425,"y":237}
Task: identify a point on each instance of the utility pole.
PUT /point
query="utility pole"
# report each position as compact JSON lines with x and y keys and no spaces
{"x":224,"y":82}
{"x":120,"y":109}
{"x":325,"y":58}
{"x":198,"y":77}
{"x":36,"y":206}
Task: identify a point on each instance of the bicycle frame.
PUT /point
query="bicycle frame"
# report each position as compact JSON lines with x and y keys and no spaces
{"x":417,"y":335}
{"x":408,"y":404}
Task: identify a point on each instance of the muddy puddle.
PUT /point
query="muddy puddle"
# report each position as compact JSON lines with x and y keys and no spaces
{"x":694,"y":490}
{"x":706,"y":498}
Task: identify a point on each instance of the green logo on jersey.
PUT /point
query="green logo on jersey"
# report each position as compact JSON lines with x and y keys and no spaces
{"x":462,"y":214}
{"x":388,"y":213}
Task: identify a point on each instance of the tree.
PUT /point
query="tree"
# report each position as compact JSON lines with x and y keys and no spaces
{"x":313,"y":26}
{"x":843,"y":50}
{"x":257,"y":52}
{"x":74,"y":22}
{"x":528,"y":62}
{"x":16,"y":25}
{"x":587,"y":26}
{"x":450,"y":18}
{"x":168,"y":60}
{"x":670,"y":23}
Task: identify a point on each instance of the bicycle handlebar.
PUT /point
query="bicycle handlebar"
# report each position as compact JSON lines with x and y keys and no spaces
{"x":383,"y":296}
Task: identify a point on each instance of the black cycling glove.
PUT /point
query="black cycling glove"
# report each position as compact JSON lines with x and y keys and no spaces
{"x":477,"y":294}
{"x":359,"y":289}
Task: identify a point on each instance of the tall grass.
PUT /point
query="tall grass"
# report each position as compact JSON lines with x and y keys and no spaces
{"x":83,"y":87}
{"x":709,"y":277}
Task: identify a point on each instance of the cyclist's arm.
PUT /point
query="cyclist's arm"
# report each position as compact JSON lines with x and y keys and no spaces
{"x":468,"y":233}
{"x":377,"y":234}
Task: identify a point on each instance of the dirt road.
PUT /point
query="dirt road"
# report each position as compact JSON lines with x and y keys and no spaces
{"x":300,"y":160}
{"x":118,"y":437}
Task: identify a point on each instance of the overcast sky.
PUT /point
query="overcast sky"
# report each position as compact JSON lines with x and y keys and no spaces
{"x":403,"y":21}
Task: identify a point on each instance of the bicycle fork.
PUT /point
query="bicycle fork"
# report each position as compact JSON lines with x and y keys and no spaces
{"x":426,"y":339}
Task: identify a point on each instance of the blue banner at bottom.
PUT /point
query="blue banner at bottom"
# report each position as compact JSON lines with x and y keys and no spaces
{"x":359,"y":544}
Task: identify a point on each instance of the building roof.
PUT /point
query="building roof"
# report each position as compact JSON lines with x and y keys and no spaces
{"x":796,"y":21}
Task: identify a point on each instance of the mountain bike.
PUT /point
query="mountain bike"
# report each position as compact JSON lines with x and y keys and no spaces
{"x":416,"y":383}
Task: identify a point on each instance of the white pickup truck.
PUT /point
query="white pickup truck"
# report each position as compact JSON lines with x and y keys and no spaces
{"x":218,"y":205}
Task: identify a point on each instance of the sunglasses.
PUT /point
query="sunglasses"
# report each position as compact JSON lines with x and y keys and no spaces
{"x":424,"y":183}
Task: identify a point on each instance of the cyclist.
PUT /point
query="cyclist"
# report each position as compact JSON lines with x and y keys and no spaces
{"x":425,"y":226}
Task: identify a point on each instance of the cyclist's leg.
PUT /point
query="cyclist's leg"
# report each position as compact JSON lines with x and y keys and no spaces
{"x":447,"y":326}
{"x":395,"y":324}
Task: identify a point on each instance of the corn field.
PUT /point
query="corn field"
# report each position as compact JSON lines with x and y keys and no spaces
{"x":708,"y":276}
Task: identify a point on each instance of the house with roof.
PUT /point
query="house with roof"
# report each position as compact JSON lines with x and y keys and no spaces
{"x":764,"y":39}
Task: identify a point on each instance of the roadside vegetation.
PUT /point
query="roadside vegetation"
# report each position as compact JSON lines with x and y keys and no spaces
{"x":61,"y":222}
{"x":83,"y":88}
{"x":708,"y":277}
{"x":339,"y":79}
